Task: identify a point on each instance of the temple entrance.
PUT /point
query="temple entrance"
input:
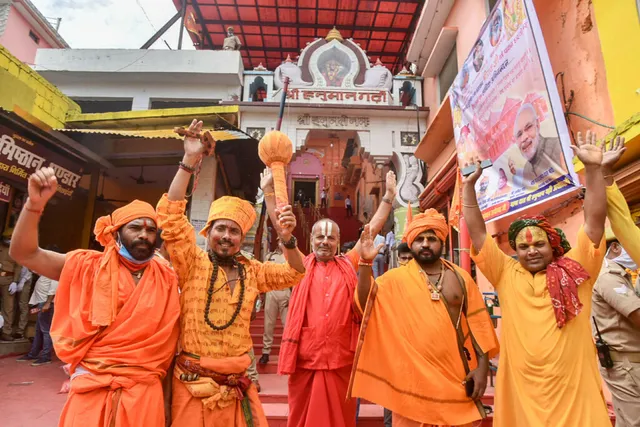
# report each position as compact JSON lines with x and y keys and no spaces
{"x":305,"y":191}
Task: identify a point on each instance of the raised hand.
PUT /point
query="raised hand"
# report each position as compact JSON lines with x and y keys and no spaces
{"x":613,"y":154}
{"x":392,"y":189}
{"x":193,"y":147}
{"x":587,"y":150}
{"x":42,"y":186}
{"x":475,"y":176}
{"x":287,"y":221}
{"x":367,"y":250}
{"x":266,"y":180}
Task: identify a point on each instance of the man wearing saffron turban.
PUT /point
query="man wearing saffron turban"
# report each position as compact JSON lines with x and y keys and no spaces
{"x":116,"y":316}
{"x":218,"y":291}
{"x":425,"y":334}
{"x":548,"y":374}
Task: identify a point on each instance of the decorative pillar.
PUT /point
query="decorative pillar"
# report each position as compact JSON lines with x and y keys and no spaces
{"x":400,"y":219}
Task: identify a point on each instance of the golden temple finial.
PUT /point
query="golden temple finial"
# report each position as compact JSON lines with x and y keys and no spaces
{"x":334,"y":34}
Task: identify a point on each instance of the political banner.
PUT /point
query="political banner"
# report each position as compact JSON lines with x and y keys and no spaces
{"x":506,"y":108}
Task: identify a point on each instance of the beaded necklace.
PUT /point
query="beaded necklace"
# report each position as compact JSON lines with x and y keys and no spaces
{"x":241,"y":273}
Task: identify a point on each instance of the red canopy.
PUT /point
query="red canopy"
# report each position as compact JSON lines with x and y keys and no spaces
{"x":272,"y":29}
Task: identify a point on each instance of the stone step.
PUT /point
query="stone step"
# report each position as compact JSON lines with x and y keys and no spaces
{"x":257,"y":348}
{"x":256,"y":329}
{"x":257,"y":337}
{"x":277,"y":414}
{"x":269,"y":368}
{"x":14,"y":348}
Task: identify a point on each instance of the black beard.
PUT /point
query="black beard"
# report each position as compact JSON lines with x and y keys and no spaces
{"x":227,"y":261}
{"x":140,"y":251}
{"x":427,"y":259}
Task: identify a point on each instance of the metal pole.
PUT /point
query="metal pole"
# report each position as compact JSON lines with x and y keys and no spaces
{"x":183,"y":14}
{"x":283,"y":101}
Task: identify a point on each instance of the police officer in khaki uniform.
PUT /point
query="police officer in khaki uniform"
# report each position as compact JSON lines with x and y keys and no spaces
{"x":616,"y":311}
{"x":9,"y":278}
{"x":276,"y":302}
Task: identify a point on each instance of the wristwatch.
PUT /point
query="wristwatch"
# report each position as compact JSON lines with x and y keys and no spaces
{"x":291,"y":244}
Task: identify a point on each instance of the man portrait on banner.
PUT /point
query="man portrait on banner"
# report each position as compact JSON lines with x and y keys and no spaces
{"x":495,"y":30}
{"x":478,"y":55}
{"x":541,"y":153}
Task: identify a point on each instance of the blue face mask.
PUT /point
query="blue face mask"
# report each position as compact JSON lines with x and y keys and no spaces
{"x":125,"y":253}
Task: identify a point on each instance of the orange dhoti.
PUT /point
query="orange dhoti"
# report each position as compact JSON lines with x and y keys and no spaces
{"x":94,"y":399}
{"x":317,"y":398}
{"x":400,"y":421}
{"x":205,"y":402}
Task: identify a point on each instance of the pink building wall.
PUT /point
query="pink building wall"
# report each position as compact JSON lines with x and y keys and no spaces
{"x":16,"y":38}
{"x":305,"y":166}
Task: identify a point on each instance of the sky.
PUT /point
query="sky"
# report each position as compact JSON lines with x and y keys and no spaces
{"x":120,"y":24}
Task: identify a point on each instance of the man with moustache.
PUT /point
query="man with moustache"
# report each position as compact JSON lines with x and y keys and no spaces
{"x":218,"y":290}
{"x":322,"y":327}
{"x":426,"y":333}
{"x":116,"y":315}
{"x":548,"y":374}
{"x":541,"y":153}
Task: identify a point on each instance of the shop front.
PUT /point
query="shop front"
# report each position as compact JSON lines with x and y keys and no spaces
{"x":25,"y":148}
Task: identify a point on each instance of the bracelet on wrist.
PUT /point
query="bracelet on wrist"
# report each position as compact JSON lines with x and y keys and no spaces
{"x":291,"y":243}
{"x":185,"y":167}
{"x":269,"y":194}
{"x":365,"y":263}
{"x":385,"y":200}
{"x":35,"y":211}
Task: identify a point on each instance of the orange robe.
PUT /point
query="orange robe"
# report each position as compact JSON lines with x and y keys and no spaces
{"x":204,"y":402}
{"x":318,"y":357}
{"x":117,"y":369}
{"x":408,"y":358}
{"x":547,"y":376}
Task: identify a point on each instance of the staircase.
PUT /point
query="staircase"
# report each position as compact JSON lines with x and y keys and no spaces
{"x":274,"y":387}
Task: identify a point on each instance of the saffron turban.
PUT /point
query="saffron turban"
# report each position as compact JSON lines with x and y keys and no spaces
{"x":234,"y":209}
{"x":430,"y":219}
{"x":106,"y":281}
{"x":557,"y":239}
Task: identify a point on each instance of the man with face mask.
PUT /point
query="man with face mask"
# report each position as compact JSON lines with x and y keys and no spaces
{"x":548,"y":374}
{"x":116,"y":315}
{"x":218,"y":291}
{"x":616,"y":312}
{"x":320,"y":336}
{"x":410,"y":360}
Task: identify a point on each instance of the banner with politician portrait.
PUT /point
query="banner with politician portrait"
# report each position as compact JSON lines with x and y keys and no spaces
{"x":506,"y":108}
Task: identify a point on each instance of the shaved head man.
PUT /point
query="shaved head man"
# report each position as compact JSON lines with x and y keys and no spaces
{"x":319,"y":369}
